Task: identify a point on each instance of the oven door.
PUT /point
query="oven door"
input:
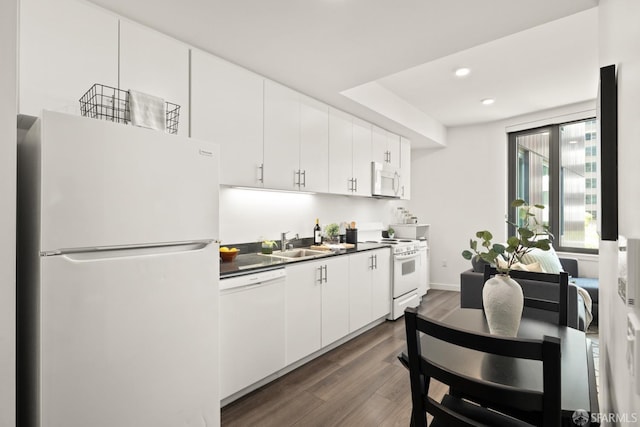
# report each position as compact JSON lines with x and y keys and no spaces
{"x":406,"y":273}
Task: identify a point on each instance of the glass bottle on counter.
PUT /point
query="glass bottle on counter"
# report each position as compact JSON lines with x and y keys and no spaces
{"x":317,"y":237}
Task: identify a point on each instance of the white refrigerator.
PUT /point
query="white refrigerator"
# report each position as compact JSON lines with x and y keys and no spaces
{"x":118,"y":276}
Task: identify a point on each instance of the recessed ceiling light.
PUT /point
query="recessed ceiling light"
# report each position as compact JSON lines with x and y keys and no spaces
{"x":462,"y":72}
{"x":488,"y":101}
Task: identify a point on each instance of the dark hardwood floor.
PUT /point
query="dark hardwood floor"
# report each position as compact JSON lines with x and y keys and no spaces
{"x":360,"y":383}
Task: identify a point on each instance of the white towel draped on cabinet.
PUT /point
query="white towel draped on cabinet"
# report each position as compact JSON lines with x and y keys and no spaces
{"x":147,"y":110}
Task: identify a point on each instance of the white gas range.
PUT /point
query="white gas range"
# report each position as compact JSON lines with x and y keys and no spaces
{"x":410,"y":264}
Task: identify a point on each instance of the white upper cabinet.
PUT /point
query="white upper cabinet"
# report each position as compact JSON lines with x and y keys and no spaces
{"x":65,"y":47}
{"x":362,"y":157}
{"x":296,"y":140}
{"x":157,"y":65}
{"x":341,"y":179}
{"x":386,"y":147}
{"x":281,"y":137}
{"x":349,"y":154}
{"x":314,"y":145}
{"x":393,"y":148}
{"x":227,"y":108}
{"x":405,"y":168}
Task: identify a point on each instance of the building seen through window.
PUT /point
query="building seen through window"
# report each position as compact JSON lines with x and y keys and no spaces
{"x":556,"y":166}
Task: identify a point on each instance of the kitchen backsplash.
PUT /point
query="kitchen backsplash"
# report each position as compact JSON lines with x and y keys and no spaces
{"x":253,"y":215}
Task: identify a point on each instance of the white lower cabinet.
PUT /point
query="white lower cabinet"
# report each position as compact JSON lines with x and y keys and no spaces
{"x":381,"y":284}
{"x":369,"y":287}
{"x":303,"y":312}
{"x":335,"y":299}
{"x":317,"y":305}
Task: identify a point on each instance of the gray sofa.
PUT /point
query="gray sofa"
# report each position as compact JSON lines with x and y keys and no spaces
{"x":471,"y":293}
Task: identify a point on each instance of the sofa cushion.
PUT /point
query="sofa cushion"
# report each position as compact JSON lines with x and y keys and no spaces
{"x":533,"y":267}
{"x":548,"y":260}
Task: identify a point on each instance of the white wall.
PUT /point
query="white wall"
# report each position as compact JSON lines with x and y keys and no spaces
{"x":251,"y":215}
{"x":462,"y":188}
{"x":8,"y":47}
{"x":619,"y":35}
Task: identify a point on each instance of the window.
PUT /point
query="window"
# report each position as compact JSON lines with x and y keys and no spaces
{"x":556,"y":166}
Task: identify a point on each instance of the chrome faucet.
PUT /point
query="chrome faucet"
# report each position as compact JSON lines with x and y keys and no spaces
{"x":286,"y":243}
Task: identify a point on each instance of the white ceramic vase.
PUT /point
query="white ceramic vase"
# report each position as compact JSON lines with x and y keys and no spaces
{"x":503,"y":301}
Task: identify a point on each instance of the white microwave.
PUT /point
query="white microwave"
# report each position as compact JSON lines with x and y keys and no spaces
{"x":385,"y":180}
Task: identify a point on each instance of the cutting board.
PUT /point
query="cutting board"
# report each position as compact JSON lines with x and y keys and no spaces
{"x":327,"y":248}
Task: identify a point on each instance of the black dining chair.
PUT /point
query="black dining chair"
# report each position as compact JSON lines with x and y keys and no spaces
{"x":559,"y":305}
{"x":481,"y":403}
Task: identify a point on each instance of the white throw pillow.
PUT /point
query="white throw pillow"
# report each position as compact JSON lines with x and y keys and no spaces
{"x":549,"y":261}
{"x":534,"y":267}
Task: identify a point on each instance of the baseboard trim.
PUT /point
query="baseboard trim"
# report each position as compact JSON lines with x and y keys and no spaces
{"x":444,"y":287}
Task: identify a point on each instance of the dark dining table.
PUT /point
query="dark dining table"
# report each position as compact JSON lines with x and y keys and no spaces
{"x":578,"y":380}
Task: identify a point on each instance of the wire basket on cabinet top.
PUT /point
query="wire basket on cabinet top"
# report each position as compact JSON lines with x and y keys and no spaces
{"x":110,"y":103}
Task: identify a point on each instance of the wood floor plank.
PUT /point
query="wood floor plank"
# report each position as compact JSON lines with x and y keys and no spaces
{"x":371,"y":413}
{"x":349,"y":399}
{"x":380,"y":354}
{"x":360,"y":383}
{"x":397,"y":388}
{"x":284,"y":411}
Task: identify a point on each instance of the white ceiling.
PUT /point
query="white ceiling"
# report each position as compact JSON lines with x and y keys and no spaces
{"x":404,"y":48}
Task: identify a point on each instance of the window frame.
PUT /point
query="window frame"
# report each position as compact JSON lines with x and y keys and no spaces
{"x":554,"y":180}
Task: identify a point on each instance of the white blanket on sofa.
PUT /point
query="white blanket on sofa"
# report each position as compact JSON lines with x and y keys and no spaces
{"x":587,"y":306}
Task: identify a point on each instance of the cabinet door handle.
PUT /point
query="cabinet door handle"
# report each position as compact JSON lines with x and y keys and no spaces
{"x":296,"y":182}
{"x":325,"y":274}
{"x":304,"y":178}
{"x":371,"y":262}
{"x":355,"y":181}
{"x":375,"y":264}
{"x":261,"y":176}
{"x":320,"y":280}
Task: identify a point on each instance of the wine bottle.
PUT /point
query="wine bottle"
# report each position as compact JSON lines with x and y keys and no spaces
{"x":317,"y":238}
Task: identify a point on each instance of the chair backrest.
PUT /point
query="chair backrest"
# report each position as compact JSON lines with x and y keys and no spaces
{"x":559,"y":305}
{"x":535,"y":407}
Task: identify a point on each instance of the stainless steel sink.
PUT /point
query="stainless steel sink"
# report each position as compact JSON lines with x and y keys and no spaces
{"x":299,"y":254}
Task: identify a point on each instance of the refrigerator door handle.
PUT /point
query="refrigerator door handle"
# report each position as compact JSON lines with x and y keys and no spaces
{"x":94,"y":254}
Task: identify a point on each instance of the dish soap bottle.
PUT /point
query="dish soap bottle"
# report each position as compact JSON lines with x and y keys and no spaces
{"x":317,"y":238}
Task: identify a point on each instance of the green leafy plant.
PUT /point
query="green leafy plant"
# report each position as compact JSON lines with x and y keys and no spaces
{"x":390,"y":231}
{"x":530,"y":234}
{"x":332,"y":230}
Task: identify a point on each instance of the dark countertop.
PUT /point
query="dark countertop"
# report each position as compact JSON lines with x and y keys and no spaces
{"x":255,"y":262}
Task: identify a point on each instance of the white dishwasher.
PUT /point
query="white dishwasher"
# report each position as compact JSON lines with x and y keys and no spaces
{"x":252,"y":329}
